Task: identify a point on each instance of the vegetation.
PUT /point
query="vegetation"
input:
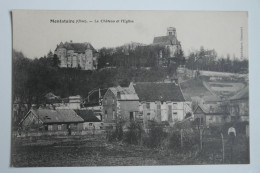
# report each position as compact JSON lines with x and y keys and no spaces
{"x":208,"y":60}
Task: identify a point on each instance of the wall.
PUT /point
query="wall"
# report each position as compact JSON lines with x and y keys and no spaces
{"x":163,"y":111}
{"x":109,"y":103}
{"x":239,"y":108}
{"x":125,"y":107}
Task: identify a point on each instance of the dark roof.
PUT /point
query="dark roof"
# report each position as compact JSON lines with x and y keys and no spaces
{"x":211,"y":109}
{"x":166,"y":40}
{"x":151,"y":91}
{"x":88,"y":115}
{"x":77,"y":47}
{"x":57,"y":116}
{"x":242,"y":94}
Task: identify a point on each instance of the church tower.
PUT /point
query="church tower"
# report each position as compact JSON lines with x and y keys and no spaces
{"x":171,"y":31}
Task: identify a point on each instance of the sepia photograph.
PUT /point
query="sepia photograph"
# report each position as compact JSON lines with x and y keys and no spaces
{"x":129,"y":88}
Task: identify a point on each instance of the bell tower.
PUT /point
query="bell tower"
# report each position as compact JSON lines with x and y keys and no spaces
{"x":171,"y":31}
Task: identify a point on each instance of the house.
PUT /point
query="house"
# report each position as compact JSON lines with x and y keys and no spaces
{"x":77,"y":55}
{"x":207,"y":115}
{"x":239,"y":105}
{"x":120,"y":103}
{"x":161,"y":102}
{"x":57,"y":121}
{"x":92,"y":119}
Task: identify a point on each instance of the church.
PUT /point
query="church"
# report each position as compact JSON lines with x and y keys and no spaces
{"x":77,"y":55}
{"x":170,"y":43}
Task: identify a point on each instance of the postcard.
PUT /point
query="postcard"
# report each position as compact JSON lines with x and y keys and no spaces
{"x":129,"y":88}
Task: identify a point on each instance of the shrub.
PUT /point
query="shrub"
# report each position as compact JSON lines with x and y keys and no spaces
{"x":133,"y":133}
{"x":116,"y":135}
{"x":155,"y":136}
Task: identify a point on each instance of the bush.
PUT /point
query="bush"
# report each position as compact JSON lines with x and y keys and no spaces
{"x":155,"y":136}
{"x":133,"y":134}
{"x":116,"y":135}
{"x":189,"y":139}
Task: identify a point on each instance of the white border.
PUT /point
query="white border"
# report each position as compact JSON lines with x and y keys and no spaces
{"x":253,"y":8}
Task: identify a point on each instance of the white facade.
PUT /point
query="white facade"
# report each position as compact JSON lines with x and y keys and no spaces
{"x":164,"y":111}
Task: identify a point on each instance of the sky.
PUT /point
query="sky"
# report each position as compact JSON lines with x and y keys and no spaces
{"x":35,"y":35}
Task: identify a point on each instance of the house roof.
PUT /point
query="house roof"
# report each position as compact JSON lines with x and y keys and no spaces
{"x":57,"y":116}
{"x":77,"y":47}
{"x":88,"y":115}
{"x":166,"y":40}
{"x":151,"y":91}
{"x":242,"y":94}
{"x":211,"y":109}
{"x":125,"y":93}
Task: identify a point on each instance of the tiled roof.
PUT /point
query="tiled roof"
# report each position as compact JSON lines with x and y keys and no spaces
{"x":151,"y":91}
{"x":77,"y":47}
{"x":211,"y":109}
{"x":88,"y":115}
{"x":166,"y":40}
{"x":243,"y":94}
{"x":57,"y":116}
{"x":125,"y":93}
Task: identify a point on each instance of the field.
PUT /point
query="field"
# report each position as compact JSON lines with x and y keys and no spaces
{"x":96,"y":151}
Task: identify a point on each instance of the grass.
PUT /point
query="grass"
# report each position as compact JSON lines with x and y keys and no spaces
{"x":96,"y":151}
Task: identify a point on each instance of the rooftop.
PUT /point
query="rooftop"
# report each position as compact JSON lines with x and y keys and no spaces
{"x":88,"y":115}
{"x":242,"y":94}
{"x":57,"y":116}
{"x":166,"y":40}
{"x":77,"y":47}
{"x":151,"y":91}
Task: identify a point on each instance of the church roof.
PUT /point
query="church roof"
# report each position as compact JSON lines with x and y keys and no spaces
{"x":166,"y":40}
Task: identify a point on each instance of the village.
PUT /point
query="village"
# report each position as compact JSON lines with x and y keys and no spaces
{"x":188,"y":114}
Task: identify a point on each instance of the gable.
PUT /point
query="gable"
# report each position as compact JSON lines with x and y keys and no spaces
{"x":31,"y":120}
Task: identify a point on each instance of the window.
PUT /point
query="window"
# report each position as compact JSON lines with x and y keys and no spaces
{"x":131,"y":115}
{"x":49,"y":127}
{"x":105,"y":114}
{"x":158,"y":106}
{"x":114,"y":115}
{"x":59,"y":127}
{"x":90,"y":124}
{"x":175,"y":105}
{"x":148,"y":105}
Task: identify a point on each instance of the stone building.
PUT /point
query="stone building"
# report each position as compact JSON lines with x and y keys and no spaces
{"x":120,"y":103}
{"x":239,"y":105}
{"x":77,"y":55}
{"x":170,"y":43}
{"x":161,"y":102}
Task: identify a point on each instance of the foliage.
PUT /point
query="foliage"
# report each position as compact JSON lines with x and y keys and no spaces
{"x":133,"y":133}
{"x":155,"y":137}
{"x":208,"y":60}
